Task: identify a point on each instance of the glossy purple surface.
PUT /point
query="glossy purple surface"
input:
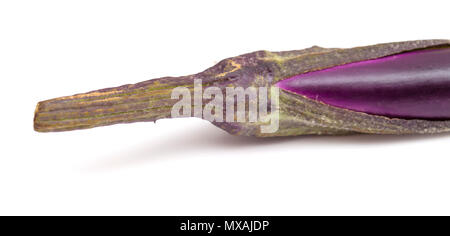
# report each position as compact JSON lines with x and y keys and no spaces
{"x":412,"y":85}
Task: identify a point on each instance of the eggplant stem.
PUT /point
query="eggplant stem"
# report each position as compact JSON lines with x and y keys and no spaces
{"x":146,"y":101}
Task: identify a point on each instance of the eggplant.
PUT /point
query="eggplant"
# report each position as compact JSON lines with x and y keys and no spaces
{"x":411,"y":85}
{"x":390,"y":88}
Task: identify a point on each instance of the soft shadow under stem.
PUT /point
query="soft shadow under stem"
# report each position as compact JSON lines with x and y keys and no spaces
{"x":211,"y":138}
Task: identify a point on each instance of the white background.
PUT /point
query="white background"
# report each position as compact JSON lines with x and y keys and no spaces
{"x":187,"y":166}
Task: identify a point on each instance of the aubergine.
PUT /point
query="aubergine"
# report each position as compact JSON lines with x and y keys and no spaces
{"x":390,"y":88}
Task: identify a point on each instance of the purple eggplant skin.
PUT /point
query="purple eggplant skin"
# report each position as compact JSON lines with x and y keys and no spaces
{"x":298,"y":114}
{"x":411,"y":85}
